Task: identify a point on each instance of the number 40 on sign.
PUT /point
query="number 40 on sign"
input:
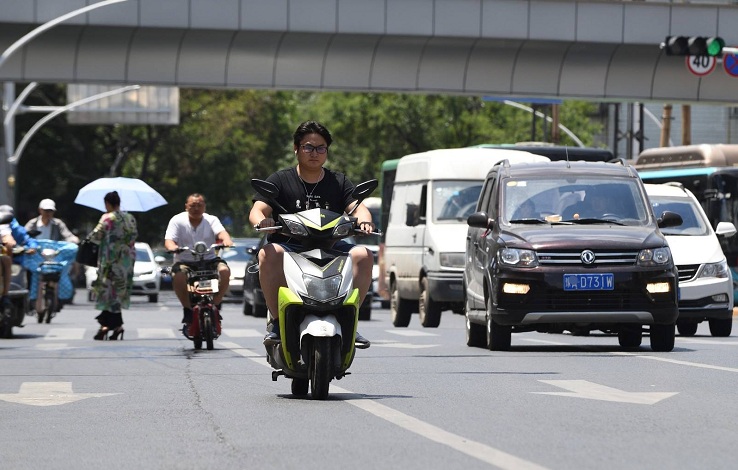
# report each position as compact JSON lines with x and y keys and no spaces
{"x":701,"y":65}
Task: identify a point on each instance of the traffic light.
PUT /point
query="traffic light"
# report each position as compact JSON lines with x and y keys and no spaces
{"x":695,"y":45}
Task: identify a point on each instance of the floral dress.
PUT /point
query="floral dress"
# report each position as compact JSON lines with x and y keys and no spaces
{"x":116,"y":234}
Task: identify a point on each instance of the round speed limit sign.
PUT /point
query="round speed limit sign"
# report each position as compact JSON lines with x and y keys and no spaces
{"x":701,"y":65}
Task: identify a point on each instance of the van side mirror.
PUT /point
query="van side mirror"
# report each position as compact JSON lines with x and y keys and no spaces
{"x":725,"y":229}
{"x":669,"y":219}
{"x":412,"y":215}
{"x":479,"y":220}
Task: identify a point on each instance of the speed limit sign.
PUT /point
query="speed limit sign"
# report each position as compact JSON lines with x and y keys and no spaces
{"x":701,"y":65}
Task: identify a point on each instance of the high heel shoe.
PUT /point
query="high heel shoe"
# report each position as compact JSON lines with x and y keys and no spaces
{"x":118,"y":331}
{"x":102,"y":334}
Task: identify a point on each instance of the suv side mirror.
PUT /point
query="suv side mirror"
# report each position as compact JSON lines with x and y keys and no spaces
{"x":725,"y":229}
{"x":479,"y":220}
{"x":669,"y":219}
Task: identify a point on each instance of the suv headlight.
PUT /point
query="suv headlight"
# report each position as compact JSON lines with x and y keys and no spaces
{"x":452,"y":260}
{"x":654,"y":257}
{"x":322,"y":289}
{"x":519,"y":258}
{"x":720,"y":270}
{"x":296,"y":228}
{"x":342,"y":230}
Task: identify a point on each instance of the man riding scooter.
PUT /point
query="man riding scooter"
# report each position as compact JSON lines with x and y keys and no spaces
{"x":186,"y":229}
{"x":307,"y":186}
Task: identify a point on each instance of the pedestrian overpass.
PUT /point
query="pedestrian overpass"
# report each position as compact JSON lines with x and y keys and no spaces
{"x":593,"y":50}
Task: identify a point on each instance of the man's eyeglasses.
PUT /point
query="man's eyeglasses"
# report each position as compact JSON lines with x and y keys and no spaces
{"x":309,"y":149}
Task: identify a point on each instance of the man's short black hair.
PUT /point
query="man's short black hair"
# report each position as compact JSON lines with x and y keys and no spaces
{"x":113,"y":198}
{"x":195,"y":195}
{"x":311,"y":127}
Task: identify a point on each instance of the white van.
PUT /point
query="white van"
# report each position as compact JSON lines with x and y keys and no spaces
{"x":705,"y":280}
{"x":425,"y":240}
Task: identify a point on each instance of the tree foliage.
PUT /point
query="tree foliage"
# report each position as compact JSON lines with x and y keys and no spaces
{"x":225,"y":138}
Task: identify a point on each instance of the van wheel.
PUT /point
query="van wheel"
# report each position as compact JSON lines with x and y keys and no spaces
{"x":662,"y":337}
{"x":430,"y":311}
{"x":687,"y":328}
{"x":721,"y":327}
{"x":400,"y":308}
{"x":630,"y":336}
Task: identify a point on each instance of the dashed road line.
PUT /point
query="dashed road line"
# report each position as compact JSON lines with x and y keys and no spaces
{"x":393,"y":344}
{"x":155,"y":333}
{"x":411,"y":333}
{"x":57,"y":334}
{"x":242,"y":333}
{"x":474,"y":449}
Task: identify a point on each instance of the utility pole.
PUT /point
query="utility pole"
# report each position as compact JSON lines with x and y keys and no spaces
{"x":686,"y":124}
{"x":555,"y":134}
{"x":666,"y":126}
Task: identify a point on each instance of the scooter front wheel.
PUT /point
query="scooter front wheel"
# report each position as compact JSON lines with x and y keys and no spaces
{"x":322,"y":368}
{"x":208,"y":332}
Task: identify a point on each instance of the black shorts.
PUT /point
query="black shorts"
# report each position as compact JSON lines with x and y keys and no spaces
{"x":190,"y":266}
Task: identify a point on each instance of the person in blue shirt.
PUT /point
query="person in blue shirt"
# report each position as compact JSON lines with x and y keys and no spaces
{"x":12,"y":234}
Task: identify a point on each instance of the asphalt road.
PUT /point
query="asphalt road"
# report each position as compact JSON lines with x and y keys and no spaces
{"x":417,"y":399}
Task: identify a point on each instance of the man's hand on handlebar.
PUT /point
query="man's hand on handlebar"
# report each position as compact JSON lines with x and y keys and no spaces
{"x":365,"y":228}
{"x":268,"y":222}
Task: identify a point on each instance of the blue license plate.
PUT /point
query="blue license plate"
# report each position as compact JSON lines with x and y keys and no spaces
{"x":589,"y":282}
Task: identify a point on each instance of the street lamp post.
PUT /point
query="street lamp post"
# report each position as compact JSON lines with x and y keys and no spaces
{"x":7,"y":95}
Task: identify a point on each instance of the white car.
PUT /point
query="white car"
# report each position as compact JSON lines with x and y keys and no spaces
{"x":146,"y":274}
{"x":237,"y":257}
{"x":705,"y":280}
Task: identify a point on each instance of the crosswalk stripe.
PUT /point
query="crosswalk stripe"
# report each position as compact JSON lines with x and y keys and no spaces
{"x":56,"y":334}
{"x":151,"y":333}
{"x":392,"y":344}
{"x":242,"y":333}
{"x":411,"y":333}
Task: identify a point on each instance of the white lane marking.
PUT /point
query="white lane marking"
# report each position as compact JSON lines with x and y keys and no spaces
{"x":52,"y":346}
{"x":56,"y":334}
{"x":48,"y":394}
{"x":706,"y":341}
{"x":593,"y":391}
{"x":242,"y":333}
{"x":676,"y":361}
{"x":392,"y":344}
{"x":471,"y":448}
{"x":411,"y":333}
{"x":148,"y":333}
{"x":543,"y":341}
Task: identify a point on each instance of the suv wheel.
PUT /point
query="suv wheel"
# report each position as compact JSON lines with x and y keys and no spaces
{"x":430,"y":311}
{"x":662,"y":337}
{"x":399,"y":307}
{"x":721,"y":327}
{"x":498,"y":336}
{"x":630,"y":336}
{"x":687,"y":328}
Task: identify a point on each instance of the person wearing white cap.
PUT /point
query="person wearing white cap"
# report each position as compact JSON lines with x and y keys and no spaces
{"x":50,"y":227}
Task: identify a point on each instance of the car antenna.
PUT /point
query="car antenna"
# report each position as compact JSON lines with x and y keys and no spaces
{"x":568,"y":165}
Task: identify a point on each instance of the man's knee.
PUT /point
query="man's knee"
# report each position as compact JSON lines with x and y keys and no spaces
{"x":271,"y":254}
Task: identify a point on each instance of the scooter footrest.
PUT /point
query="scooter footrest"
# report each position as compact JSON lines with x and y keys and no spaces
{"x":275,"y":374}
{"x":272,"y":342}
{"x":362,"y":345}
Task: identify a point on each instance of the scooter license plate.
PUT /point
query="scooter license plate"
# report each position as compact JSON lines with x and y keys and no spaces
{"x":208,"y":284}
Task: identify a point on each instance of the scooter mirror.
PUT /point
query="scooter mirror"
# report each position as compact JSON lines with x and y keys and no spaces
{"x":265,"y":188}
{"x":363,"y":190}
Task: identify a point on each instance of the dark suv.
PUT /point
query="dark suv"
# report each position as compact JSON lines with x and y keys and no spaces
{"x":573,"y":246}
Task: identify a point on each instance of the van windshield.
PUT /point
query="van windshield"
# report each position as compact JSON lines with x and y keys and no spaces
{"x":692,"y":221}
{"x":454,"y":201}
{"x":573,"y":199}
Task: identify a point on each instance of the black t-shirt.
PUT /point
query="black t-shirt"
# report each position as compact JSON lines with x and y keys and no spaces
{"x":332,"y":193}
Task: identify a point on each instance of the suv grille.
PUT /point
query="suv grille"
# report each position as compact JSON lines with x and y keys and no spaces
{"x":687,"y":271}
{"x":602,"y":258}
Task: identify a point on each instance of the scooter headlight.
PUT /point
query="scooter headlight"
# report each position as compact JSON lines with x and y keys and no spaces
{"x":322,"y":289}
{"x":342,"y":230}
{"x":296,"y":228}
{"x":48,"y":254}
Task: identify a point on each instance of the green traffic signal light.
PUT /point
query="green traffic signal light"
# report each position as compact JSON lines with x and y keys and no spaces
{"x":715,"y":46}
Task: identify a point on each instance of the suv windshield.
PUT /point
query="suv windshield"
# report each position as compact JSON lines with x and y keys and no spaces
{"x":455,"y":200}
{"x":573,"y":199}
{"x":692,"y":221}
